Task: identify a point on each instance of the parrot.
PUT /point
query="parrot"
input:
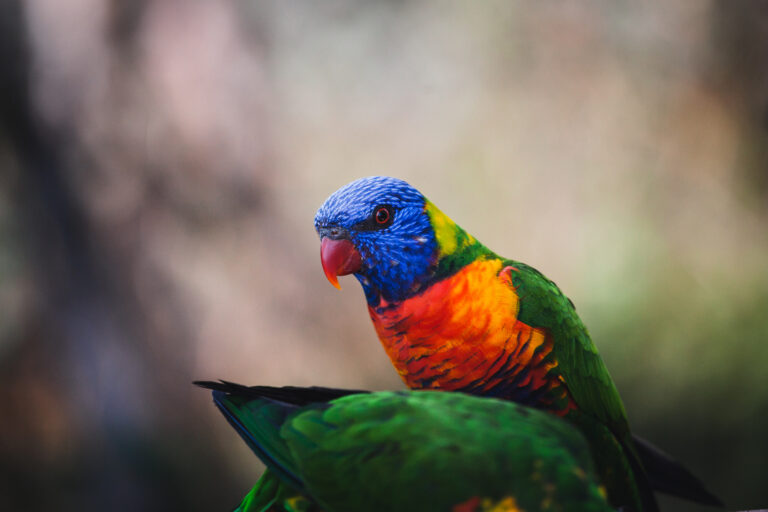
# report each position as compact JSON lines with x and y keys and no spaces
{"x":453,"y":315}
{"x":401,"y":451}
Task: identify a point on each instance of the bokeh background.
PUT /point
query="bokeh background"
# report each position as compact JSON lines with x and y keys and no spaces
{"x":161,"y":162}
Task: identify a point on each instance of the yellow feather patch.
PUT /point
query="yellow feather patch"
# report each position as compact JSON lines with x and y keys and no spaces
{"x":446,"y":231}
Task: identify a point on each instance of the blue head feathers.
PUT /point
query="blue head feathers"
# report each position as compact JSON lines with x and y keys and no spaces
{"x":385,"y":219}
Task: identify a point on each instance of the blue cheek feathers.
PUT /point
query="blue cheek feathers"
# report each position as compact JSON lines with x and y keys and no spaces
{"x":395,"y":268}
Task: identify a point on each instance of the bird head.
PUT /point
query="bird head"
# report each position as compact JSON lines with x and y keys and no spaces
{"x":379,"y":229}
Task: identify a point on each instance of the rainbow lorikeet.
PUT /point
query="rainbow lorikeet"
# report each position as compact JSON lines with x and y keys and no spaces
{"x":453,"y":315}
{"x":407,"y":451}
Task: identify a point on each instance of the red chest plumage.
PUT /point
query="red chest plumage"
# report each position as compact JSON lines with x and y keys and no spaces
{"x":462,"y":333}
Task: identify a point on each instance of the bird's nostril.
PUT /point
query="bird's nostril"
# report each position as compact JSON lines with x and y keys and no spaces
{"x":334,"y":233}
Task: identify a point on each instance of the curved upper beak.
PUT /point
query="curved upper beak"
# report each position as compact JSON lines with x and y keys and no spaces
{"x":339,"y":258}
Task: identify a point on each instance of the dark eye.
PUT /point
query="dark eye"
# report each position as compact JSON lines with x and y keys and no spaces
{"x":382,"y":215}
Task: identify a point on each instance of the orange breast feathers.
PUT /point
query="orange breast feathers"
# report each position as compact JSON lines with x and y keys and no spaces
{"x":462,"y":333}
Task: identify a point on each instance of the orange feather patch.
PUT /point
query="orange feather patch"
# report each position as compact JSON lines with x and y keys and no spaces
{"x":462,"y":333}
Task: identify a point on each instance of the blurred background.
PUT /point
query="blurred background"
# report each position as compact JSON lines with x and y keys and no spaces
{"x":161,"y":162}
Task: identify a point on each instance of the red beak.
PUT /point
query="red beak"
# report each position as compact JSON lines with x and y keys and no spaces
{"x":339,"y":258}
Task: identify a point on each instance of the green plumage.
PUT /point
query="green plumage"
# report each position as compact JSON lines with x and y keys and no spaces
{"x":413,"y":451}
{"x":600,"y":416}
{"x":543,"y":305}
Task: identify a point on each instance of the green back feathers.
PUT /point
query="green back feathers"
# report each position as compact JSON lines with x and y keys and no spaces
{"x":420,"y":451}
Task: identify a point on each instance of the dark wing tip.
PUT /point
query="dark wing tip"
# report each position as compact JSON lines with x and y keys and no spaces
{"x":224,"y":386}
{"x":208,"y":384}
{"x":293,"y":395}
{"x":671,"y":477}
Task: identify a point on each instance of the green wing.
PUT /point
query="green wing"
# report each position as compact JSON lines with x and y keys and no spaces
{"x":543,"y":305}
{"x":419,"y":451}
